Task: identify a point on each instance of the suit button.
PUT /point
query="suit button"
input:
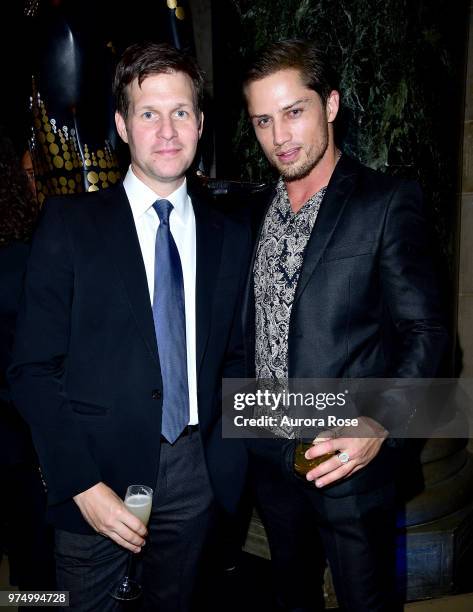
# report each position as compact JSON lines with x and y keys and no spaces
{"x":156,"y":394}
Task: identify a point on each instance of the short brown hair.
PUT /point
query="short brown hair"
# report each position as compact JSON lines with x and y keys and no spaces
{"x":297,"y":54}
{"x":148,"y":58}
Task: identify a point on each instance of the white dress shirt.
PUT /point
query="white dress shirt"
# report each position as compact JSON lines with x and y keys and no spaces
{"x":182,"y":224}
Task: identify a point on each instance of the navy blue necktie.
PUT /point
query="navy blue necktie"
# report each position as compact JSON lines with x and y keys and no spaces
{"x":170,"y":324}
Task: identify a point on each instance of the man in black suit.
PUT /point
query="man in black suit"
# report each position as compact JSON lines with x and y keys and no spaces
{"x":342,"y":287}
{"x":129,"y":321}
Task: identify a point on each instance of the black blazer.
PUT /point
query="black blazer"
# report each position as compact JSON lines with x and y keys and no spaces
{"x":366,"y":303}
{"x":86,"y":372}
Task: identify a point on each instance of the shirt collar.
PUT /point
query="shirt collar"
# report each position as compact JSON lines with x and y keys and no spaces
{"x":282,"y":202}
{"x":142,"y":197}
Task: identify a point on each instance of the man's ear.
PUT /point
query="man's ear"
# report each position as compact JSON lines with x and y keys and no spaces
{"x":201,"y":123}
{"x":332,"y":105}
{"x":121,"y":127}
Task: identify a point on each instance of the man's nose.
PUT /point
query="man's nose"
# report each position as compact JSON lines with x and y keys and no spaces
{"x":281,"y":133}
{"x":166,"y":128}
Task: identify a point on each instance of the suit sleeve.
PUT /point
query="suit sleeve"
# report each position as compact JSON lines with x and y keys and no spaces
{"x":410,"y":287}
{"x":39,"y":367}
{"x":411,"y":294}
{"x":227,"y":458}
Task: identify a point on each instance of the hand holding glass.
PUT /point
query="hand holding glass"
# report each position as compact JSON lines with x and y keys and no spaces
{"x":303,"y":465}
{"x":138,"y":500}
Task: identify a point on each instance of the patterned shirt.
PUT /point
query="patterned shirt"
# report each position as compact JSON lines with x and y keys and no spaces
{"x":277,"y":267}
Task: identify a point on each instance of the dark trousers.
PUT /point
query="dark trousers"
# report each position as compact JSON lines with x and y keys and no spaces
{"x":304,"y":525}
{"x":181,"y":517}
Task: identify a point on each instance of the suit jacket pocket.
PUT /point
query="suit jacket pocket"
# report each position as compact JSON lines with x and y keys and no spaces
{"x":354,"y":249}
{"x":88,"y":408}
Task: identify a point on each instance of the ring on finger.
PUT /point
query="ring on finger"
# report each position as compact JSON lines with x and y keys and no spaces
{"x":344,"y":457}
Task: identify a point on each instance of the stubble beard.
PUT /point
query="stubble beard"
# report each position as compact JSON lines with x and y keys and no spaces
{"x":297,"y":171}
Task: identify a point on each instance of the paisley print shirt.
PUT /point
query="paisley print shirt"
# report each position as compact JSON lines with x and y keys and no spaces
{"x":277,"y":267}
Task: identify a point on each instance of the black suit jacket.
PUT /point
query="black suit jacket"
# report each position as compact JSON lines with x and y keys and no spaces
{"x":86,"y":372}
{"x":366,"y":303}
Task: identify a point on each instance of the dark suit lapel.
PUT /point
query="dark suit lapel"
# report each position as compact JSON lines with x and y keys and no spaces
{"x":209,"y":239}
{"x":117,"y":228}
{"x":248,"y":306}
{"x":338,"y":193}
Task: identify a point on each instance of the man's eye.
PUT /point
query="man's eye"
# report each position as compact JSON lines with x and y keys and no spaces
{"x":181,"y":114}
{"x":262,"y":122}
{"x":295,"y":112}
{"x":148,"y":115}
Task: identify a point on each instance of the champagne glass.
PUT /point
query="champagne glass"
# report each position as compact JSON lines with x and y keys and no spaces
{"x":138,"y":500}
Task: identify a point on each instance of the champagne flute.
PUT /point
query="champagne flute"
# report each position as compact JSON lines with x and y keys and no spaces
{"x":138,"y":500}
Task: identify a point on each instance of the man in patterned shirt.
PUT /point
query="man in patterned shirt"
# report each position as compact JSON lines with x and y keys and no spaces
{"x":342,"y":287}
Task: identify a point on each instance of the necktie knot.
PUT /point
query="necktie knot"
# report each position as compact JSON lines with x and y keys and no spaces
{"x":163,"y":210}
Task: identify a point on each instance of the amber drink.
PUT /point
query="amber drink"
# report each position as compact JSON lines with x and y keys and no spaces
{"x":303,"y":465}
